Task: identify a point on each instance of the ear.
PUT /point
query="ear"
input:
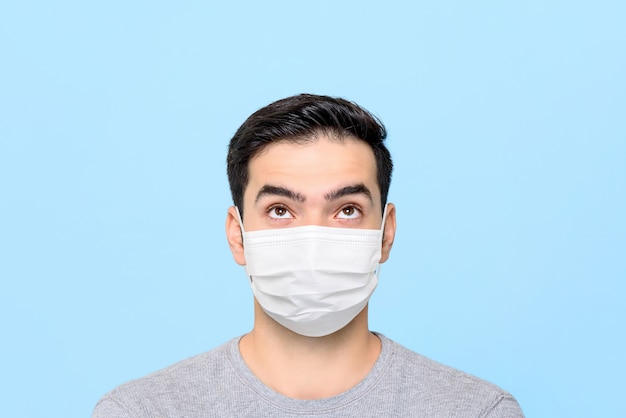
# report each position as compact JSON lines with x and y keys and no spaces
{"x":234,"y":237}
{"x":389,"y":232}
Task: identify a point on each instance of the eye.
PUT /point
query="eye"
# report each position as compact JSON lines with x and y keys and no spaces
{"x":279,"y":212}
{"x":349,"y":212}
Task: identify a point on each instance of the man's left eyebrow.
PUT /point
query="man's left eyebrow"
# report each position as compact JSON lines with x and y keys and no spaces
{"x":350,"y":190}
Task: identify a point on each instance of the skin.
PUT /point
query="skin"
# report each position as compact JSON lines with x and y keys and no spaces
{"x":328,"y":183}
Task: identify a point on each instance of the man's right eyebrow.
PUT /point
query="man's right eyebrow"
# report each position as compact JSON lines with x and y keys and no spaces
{"x":269,"y":190}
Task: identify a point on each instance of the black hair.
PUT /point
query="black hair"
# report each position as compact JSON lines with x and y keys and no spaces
{"x":300,"y":119}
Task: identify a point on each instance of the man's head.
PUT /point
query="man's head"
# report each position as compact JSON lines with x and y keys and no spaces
{"x":320,"y":163}
{"x":302,"y":119}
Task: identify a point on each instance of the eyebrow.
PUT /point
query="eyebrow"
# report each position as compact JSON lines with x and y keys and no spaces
{"x":357,"y":189}
{"x":269,"y":190}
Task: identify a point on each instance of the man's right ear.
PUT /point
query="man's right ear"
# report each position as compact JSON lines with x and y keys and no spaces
{"x":234,"y":236}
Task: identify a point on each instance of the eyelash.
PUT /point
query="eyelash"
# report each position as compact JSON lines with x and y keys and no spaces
{"x":273,"y":209}
{"x":354,"y":208}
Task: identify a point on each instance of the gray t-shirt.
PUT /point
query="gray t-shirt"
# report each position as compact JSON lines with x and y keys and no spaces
{"x":219,"y":384}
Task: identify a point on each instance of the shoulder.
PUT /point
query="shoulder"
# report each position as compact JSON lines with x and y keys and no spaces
{"x":410,"y":363}
{"x":170,"y":387}
{"x":445,"y":387}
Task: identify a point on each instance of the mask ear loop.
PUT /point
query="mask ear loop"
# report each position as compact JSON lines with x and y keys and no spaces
{"x":382,"y":226}
{"x":382,"y":232}
{"x":241,"y":220}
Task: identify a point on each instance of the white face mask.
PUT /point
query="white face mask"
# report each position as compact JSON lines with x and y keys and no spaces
{"x":313,"y":279}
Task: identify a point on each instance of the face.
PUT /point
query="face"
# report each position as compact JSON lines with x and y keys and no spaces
{"x":324,"y":182}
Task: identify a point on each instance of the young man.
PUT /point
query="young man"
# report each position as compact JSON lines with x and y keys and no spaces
{"x":309,"y":176}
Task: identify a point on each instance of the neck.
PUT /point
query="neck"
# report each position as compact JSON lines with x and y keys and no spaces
{"x":309,"y":367}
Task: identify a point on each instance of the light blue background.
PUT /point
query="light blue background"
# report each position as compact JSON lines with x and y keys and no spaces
{"x":506,"y":121}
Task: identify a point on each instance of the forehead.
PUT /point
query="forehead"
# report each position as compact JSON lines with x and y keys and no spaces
{"x":314,"y":166}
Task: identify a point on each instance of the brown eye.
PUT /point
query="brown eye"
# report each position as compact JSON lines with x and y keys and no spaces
{"x":279,"y":212}
{"x":349,"y":212}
